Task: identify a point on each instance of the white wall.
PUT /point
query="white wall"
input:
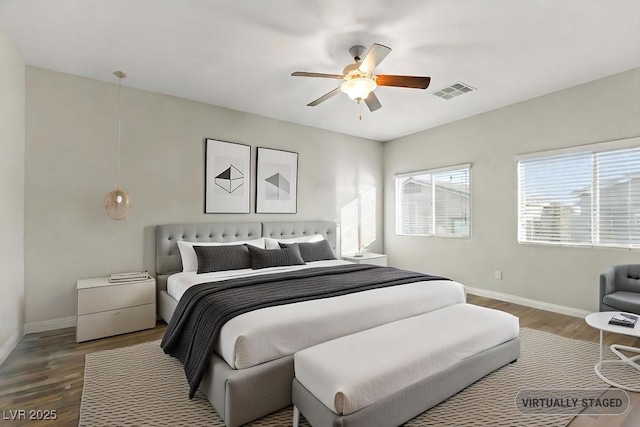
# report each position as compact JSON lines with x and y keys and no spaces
{"x":12,"y":148}
{"x":602,"y":110}
{"x":71,"y":166}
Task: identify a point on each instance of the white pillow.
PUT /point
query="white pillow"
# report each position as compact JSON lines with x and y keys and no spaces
{"x":275,"y":243}
{"x":190,"y":259}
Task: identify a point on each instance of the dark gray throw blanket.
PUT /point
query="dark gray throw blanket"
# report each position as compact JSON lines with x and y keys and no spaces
{"x":204,"y":309}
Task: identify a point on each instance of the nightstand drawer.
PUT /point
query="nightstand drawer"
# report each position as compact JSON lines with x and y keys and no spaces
{"x":115,"y":322}
{"x":104,"y":298}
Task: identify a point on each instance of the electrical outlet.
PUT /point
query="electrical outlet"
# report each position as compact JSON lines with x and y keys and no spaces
{"x":497,"y":274}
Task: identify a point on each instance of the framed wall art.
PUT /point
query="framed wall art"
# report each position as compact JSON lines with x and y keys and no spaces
{"x":277,"y":181}
{"x":227,"y":177}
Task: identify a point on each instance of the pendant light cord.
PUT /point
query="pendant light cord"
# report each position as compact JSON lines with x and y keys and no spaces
{"x":119,"y":89}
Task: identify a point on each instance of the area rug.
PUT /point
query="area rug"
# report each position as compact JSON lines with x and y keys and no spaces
{"x":141,"y":386}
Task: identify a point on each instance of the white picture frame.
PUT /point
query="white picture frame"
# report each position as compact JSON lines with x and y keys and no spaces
{"x":276,"y":181}
{"x":227,"y":177}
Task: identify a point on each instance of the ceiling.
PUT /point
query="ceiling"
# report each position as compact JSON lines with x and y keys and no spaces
{"x":239,"y":54}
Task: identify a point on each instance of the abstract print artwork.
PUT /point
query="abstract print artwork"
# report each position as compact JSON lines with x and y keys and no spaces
{"x":231,"y":179}
{"x":228,"y":169}
{"x":277,"y":182}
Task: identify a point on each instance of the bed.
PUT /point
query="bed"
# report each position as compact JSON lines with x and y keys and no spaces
{"x":250,"y":373}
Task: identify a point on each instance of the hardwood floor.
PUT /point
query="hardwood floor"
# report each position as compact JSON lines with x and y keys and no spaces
{"x":46,"y":370}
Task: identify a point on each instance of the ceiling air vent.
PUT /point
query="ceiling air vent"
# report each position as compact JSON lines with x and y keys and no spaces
{"x":454,"y":90}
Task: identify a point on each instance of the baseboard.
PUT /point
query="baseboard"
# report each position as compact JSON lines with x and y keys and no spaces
{"x":7,"y":347}
{"x":569,"y":311}
{"x":49,"y":325}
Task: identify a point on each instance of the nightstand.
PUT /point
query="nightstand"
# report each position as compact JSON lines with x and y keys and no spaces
{"x":106,"y":309}
{"x":368,"y":258}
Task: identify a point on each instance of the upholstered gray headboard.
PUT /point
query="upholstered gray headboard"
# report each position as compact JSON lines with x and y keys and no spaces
{"x":168,"y":259}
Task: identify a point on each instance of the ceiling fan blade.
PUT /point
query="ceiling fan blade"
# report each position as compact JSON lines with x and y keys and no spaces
{"x":373,"y":57}
{"x":403,"y":81}
{"x":328,"y":76}
{"x":372,"y":102}
{"x":324,"y":97}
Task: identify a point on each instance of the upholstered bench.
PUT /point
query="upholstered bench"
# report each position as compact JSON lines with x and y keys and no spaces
{"x":387,"y":375}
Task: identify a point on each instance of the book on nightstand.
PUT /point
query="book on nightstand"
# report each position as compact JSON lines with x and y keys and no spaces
{"x":624,"y":319}
{"x":136,"y":276}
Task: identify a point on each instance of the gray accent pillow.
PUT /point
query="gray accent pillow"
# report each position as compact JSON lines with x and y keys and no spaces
{"x":313,"y":251}
{"x":220,"y":258}
{"x":263,"y":258}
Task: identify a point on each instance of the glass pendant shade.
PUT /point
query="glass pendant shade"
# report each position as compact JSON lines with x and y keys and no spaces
{"x":118,"y":204}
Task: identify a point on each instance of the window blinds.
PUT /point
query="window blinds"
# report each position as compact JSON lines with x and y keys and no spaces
{"x":584,"y":198}
{"x":434,"y":203}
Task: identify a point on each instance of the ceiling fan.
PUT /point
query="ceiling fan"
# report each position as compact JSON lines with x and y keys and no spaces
{"x":359,"y":80}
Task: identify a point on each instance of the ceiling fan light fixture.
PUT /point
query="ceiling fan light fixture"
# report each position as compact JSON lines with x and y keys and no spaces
{"x":358,"y":88}
{"x":360,"y":80}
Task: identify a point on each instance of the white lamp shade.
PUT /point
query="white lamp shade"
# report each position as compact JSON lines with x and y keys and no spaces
{"x":118,"y":204}
{"x":358,"y":89}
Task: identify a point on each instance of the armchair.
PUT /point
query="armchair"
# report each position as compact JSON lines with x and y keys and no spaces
{"x":620,"y":288}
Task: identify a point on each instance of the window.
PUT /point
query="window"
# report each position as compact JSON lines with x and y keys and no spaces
{"x":434,"y":203}
{"x":587,"y":196}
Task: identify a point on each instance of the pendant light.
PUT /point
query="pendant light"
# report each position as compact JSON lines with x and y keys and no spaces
{"x":118,"y":204}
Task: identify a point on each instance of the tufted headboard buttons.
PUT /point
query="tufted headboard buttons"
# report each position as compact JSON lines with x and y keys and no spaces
{"x":291,"y":229}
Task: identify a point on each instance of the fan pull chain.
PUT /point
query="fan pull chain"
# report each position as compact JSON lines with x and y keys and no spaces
{"x":360,"y":110}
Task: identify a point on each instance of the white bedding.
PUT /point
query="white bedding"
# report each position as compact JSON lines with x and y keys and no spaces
{"x":270,"y":333}
{"x":352,"y":372}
